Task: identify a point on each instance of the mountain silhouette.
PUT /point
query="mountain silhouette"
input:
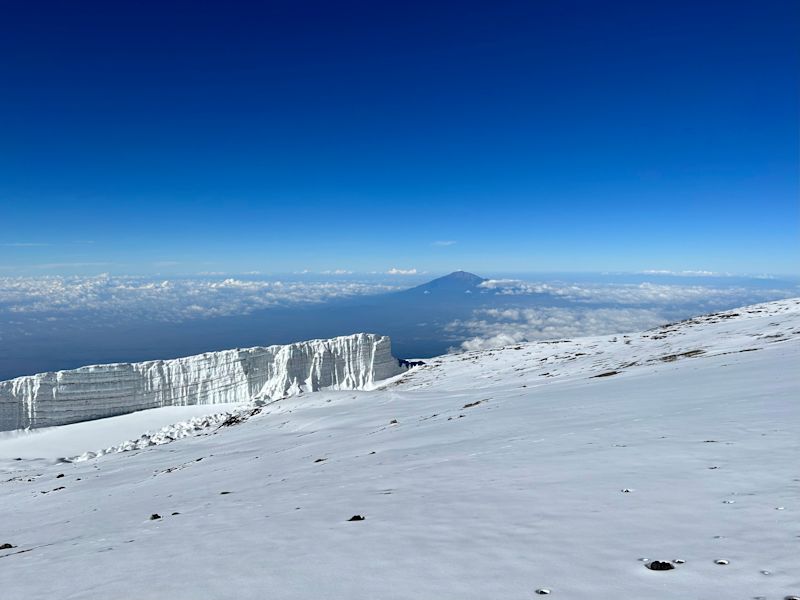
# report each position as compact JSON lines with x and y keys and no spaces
{"x":458,"y":282}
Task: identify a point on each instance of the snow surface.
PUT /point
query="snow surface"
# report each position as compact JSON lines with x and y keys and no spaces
{"x":558,"y":466}
{"x":240,"y":375}
{"x":67,"y":441}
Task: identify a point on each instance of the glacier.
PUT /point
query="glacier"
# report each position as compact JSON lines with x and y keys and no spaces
{"x":239,"y":375}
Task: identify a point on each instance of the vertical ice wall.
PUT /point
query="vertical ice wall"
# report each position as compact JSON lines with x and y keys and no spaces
{"x":57,"y":398}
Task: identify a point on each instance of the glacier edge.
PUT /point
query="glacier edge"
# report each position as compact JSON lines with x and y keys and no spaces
{"x":239,"y":375}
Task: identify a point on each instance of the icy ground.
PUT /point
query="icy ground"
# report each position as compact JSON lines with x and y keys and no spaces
{"x":558,"y":466}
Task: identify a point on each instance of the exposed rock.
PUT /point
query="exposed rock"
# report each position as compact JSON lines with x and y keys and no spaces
{"x":606,"y":374}
{"x":674,"y":357}
{"x":660,"y":565}
{"x":407,"y":364}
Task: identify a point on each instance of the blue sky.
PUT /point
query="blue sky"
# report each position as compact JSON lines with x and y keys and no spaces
{"x":183,"y":137}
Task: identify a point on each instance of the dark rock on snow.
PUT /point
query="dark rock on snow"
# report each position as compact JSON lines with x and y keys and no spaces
{"x":660,"y":565}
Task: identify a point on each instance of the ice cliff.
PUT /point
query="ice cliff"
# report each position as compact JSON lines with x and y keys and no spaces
{"x":240,"y":375}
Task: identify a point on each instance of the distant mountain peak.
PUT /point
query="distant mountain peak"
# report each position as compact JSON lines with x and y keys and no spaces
{"x":462,"y":276}
{"x":456,"y":282}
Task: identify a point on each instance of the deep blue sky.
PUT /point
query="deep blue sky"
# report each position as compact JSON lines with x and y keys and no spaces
{"x":180,"y":137}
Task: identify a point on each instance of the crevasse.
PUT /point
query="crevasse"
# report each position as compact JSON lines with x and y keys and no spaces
{"x":240,"y":375}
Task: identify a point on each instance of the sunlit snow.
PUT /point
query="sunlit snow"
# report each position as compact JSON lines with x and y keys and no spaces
{"x":565,"y":467}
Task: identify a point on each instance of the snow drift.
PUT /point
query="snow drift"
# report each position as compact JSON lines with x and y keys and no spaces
{"x":240,"y":375}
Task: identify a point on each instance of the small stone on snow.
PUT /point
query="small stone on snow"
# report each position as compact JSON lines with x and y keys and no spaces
{"x":660,"y":565}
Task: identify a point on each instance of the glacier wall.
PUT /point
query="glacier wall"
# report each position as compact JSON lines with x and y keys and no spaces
{"x":240,"y":375}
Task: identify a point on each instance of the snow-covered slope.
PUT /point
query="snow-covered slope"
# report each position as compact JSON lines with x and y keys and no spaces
{"x":566,"y":466}
{"x":58,"y":398}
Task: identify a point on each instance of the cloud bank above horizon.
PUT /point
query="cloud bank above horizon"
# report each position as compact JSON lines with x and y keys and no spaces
{"x":177,"y":299}
{"x":568,"y":310}
{"x":107,"y":297}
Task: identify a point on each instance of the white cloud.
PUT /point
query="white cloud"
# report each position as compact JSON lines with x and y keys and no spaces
{"x":444,"y":243}
{"x":108,"y":298}
{"x":547,"y":310}
{"x":635,"y":293}
{"x":337,"y":272}
{"x":396,"y":271}
{"x":491,"y":328}
{"x":699,"y":273}
{"x":509,"y":310}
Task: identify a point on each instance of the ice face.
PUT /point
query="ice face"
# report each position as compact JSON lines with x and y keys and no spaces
{"x":240,"y":375}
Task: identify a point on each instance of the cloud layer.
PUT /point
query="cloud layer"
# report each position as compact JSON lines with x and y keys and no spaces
{"x":396,"y":271}
{"x":553,"y":310}
{"x":491,"y":328}
{"x":507,"y":311}
{"x":630,"y":294}
{"x":107,"y":297}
